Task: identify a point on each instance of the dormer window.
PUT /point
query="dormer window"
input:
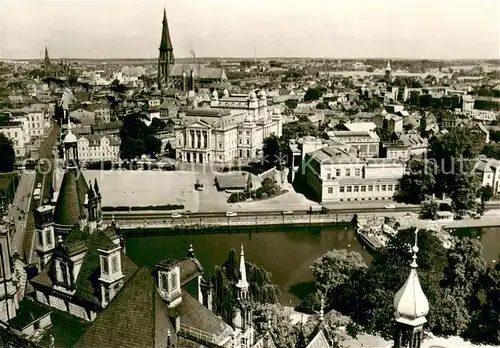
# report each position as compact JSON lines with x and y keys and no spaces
{"x":105,"y":266}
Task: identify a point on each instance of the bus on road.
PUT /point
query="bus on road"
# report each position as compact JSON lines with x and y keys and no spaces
{"x":36,"y":194}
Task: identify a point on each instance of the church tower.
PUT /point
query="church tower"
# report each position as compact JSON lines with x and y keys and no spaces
{"x":166,"y":54}
{"x":243,"y":312}
{"x":411,"y":307}
{"x":46,"y":62}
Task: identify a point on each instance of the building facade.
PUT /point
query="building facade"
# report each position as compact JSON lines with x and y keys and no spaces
{"x":231,"y":128}
{"x":333,"y":174}
{"x":95,"y":148}
{"x":15,"y":132}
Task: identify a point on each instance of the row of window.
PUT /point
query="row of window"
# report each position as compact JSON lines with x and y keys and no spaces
{"x":365,"y":188}
{"x":338,"y":173}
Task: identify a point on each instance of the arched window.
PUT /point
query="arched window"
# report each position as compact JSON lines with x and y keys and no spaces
{"x":114,"y":264}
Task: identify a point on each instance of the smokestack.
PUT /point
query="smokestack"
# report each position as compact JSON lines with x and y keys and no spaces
{"x":193,"y":55}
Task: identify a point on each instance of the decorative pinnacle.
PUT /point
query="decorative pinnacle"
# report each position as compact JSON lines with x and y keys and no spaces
{"x":321,"y":311}
{"x":414,"y":250}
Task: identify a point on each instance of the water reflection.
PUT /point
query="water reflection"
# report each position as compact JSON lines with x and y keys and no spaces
{"x":287,"y":254}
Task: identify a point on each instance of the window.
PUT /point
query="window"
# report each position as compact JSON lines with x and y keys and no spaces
{"x":349,"y":188}
{"x":36,"y":325}
{"x":363,"y":188}
{"x":389,"y":187}
{"x":114,"y":264}
{"x":48,"y":236}
{"x":105,"y":266}
{"x":341,"y":189}
{"x":106,"y":295}
{"x":40,"y":236}
{"x":377,"y":187}
{"x":356,"y":172}
{"x":337,"y":173}
{"x":396,"y":187}
{"x":241,"y":141}
{"x":370,"y":188}
{"x":356,"y":188}
{"x":330,"y":190}
{"x":348,"y":172}
{"x":383,"y":187}
{"x":248,"y":141}
{"x":328,"y":176}
{"x":173,"y":281}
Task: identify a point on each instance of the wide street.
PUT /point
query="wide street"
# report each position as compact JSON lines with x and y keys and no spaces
{"x":19,"y":209}
{"x":43,"y":175}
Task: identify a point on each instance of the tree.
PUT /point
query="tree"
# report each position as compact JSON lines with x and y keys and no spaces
{"x":291,"y":104}
{"x":224,"y":279}
{"x":335,"y":268}
{"x":415,"y":186}
{"x":7,"y":154}
{"x":169,"y":150}
{"x":273,"y":150}
{"x":283,"y":332}
{"x":422,"y":126}
{"x":137,"y":139}
{"x":486,"y":193}
{"x":429,"y":209}
{"x":383,"y":133}
{"x":369,"y":69}
{"x":312,"y":94}
{"x":464,"y":191}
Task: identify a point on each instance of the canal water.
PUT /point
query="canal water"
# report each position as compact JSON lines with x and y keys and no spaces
{"x":286,"y":253}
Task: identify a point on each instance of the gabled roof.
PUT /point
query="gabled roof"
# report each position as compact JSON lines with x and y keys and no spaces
{"x":70,"y":200}
{"x":135,"y":318}
{"x":319,"y":341}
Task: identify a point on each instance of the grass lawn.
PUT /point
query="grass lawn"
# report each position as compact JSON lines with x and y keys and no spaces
{"x":66,"y":330}
{"x":5,"y":179}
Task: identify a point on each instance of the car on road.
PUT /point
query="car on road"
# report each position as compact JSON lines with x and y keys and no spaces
{"x":390,"y":206}
{"x":176,"y":215}
{"x":231,"y":214}
{"x":287,"y":212}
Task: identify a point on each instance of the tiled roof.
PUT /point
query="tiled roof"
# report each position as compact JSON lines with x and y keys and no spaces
{"x":194,"y":314}
{"x":265,"y":343}
{"x":71,"y":198}
{"x":135,"y":318}
{"x":87,"y":284}
{"x":190,"y":268}
{"x":110,"y":125}
{"x":319,"y":341}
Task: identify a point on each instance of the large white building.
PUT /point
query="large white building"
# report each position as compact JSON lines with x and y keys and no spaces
{"x":94,"y":148}
{"x":15,"y":132}
{"x":333,"y":174}
{"x":233,"y":127}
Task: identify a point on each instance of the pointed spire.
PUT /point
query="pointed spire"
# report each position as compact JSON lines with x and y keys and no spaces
{"x":190,"y":253}
{"x":47,"y":59}
{"x":388,"y":68}
{"x":91,"y":192}
{"x":322,"y":310}
{"x":165,"y":43}
{"x":96,"y":187}
{"x":113,"y":222}
{"x":242,"y":282}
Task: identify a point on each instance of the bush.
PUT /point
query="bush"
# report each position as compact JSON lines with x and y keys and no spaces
{"x":148,"y":207}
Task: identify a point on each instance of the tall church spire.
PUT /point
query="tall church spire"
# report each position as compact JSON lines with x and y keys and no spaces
{"x":242,"y":284}
{"x":165,"y":43}
{"x":47,"y":59}
{"x":166,"y":53}
{"x":411,"y":306}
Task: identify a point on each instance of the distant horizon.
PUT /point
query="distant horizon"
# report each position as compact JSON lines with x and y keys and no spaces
{"x":264,"y":58}
{"x":334,"y":29}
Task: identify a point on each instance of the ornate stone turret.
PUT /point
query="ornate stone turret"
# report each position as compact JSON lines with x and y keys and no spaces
{"x":243,"y":311}
{"x":411,"y":307}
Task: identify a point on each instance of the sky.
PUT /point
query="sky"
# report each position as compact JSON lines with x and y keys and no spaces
{"x":420,"y":29}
